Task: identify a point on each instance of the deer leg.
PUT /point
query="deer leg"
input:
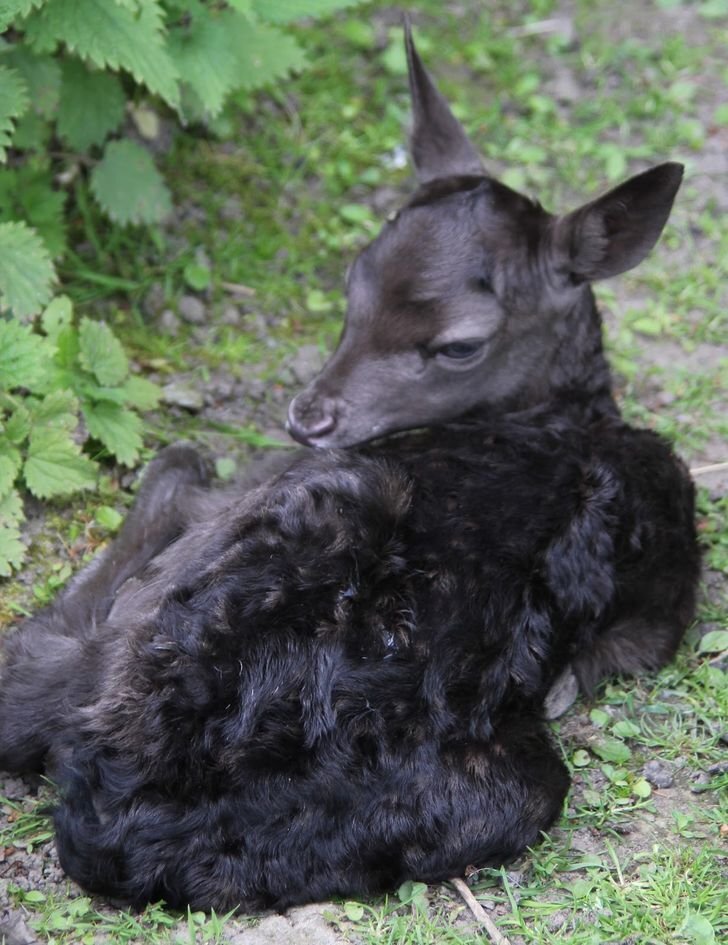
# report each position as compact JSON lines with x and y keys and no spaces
{"x":53,"y":659}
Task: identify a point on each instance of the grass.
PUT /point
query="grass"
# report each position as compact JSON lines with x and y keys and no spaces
{"x":300,"y":179}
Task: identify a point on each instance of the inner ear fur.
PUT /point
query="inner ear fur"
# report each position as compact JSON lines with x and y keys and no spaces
{"x":615,"y":232}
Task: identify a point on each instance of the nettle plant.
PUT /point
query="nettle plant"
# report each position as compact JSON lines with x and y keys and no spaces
{"x":75,"y":76}
{"x":71,"y":71}
{"x":62,"y":385}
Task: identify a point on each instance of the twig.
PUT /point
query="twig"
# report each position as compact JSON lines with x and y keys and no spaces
{"x":702,"y":470}
{"x":479,"y":912}
{"x":237,"y":288}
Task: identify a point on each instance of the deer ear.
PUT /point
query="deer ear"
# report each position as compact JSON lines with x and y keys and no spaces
{"x":439,"y":145}
{"x":615,"y":232}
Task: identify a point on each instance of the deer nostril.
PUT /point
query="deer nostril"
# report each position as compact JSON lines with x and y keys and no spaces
{"x":309,"y":429}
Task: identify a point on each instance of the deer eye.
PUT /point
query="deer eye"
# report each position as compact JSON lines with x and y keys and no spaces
{"x":460,"y":350}
{"x":484,"y":284}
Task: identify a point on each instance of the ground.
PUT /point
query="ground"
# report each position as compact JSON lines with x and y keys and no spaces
{"x":564,"y":99}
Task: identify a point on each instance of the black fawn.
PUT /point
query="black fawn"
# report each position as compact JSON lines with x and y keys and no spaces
{"x":337,"y":679}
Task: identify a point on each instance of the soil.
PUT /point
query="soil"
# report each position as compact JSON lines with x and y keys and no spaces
{"x":253,"y":399}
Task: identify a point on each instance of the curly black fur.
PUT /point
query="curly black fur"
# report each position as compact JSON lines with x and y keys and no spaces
{"x":333,"y":681}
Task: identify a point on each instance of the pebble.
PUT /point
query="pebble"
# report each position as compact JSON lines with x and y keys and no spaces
{"x":168,"y":322}
{"x":658,"y":773}
{"x":306,"y":363}
{"x":231,"y":315}
{"x":179,"y":395}
{"x":192,"y":310}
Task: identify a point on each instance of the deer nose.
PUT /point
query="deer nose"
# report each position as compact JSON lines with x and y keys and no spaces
{"x":307,"y":423}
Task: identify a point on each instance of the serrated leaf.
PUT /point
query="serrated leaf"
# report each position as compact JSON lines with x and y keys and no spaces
{"x":57,"y":316}
{"x":101,"y":353}
{"x":42,"y":77}
{"x":10,"y":460}
{"x":715,"y":641}
{"x":217,"y":54}
{"x":26,"y":270}
{"x":286,"y":11}
{"x":264,"y":53}
{"x":22,"y":355}
{"x":118,"y":429}
{"x":91,"y":105}
{"x":611,"y":749}
{"x":54,"y":465}
{"x":12,"y":549}
{"x":11,"y":508}
{"x":110,"y":35}
{"x":27,"y":193}
{"x":207,"y":59}
{"x":58,"y":410}
{"x":17,"y":426}
{"x":128,"y":186}
{"x":13,"y":102}
{"x":13,"y":9}
{"x":141,"y":393}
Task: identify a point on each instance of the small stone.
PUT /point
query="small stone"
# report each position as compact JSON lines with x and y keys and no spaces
{"x":306,"y":363}
{"x":232,"y":209}
{"x":178,"y":395}
{"x":192,"y":310}
{"x":154,"y":299}
{"x":168,"y":322}
{"x":699,"y":781}
{"x":658,"y":773}
{"x":231,"y":315}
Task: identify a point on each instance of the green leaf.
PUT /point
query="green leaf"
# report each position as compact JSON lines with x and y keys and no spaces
{"x":225,"y":467}
{"x":27,"y":193}
{"x":286,"y":11}
{"x":11,"y":508}
{"x":13,"y":9}
{"x":641,"y":788}
{"x":17,"y":426}
{"x":57,"y":316}
{"x":128,"y":186}
{"x":625,"y":729}
{"x":91,"y":107}
{"x":207,"y":59}
{"x":110,"y":35}
{"x":580,"y":758}
{"x":118,"y":429}
{"x":698,"y":930}
{"x":599,"y":717}
{"x":217,"y":54}
{"x":13,"y":102}
{"x":58,"y":411}
{"x":715,"y":641}
{"x":42,"y":77}
{"x":10,"y":460}
{"x":196,"y":276}
{"x":54,"y":466}
{"x":12,"y":549}
{"x":140,"y":393}
{"x":108,"y":518}
{"x":611,"y":749}
{"x":22,"y":355}
{"x":26,"y":270}
{"x":101,"y":353}
{"x":354,"y":911}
